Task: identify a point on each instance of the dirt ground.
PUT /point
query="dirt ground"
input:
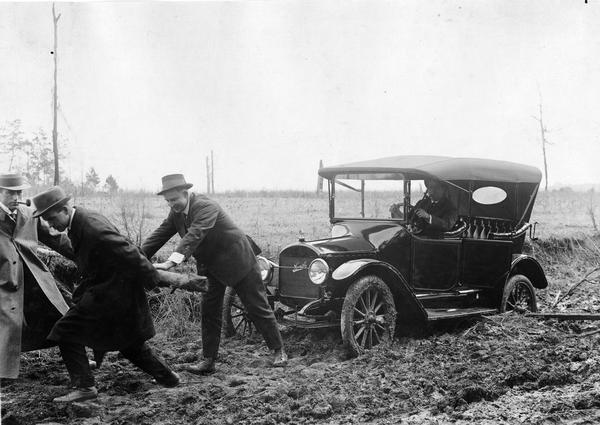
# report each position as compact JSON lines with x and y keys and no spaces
{"x":500,"y":369}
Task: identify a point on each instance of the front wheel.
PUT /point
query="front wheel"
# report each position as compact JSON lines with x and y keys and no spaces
{"x":518,"y":295}
{"x":368,"y":315}
{"x":235,"y":316}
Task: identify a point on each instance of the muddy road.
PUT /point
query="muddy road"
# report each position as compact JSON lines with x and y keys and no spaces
{"x":501,"y":369}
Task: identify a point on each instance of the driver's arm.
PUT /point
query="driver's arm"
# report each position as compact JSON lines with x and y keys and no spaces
{"x":445,"y":220}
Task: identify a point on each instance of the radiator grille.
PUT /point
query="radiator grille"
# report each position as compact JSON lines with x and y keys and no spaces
{"x":293,"y":278}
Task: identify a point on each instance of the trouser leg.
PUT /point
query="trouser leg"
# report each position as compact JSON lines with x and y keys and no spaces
{"x":77,"y":364}
{"x":212,"y":308}
{"x":144,"y":357}
{"x":251,"y":291}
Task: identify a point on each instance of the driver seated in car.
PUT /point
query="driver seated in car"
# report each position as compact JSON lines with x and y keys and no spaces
{"x":433,"y":214}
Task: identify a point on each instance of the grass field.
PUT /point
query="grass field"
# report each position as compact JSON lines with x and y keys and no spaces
{"x":277,"y":219}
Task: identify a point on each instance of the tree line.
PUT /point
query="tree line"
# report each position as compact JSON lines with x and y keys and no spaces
{"x":32,"y":155}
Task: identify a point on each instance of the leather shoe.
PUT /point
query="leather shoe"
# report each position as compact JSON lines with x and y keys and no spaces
{"x":79,"y":394}
{"x":170,"y":381}
{"x":280,"y":358}
{"x":206,"y":366}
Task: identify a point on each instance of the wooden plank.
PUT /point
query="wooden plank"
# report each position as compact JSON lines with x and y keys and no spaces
{"x":566,"y":316}
{"x":193,"y":283}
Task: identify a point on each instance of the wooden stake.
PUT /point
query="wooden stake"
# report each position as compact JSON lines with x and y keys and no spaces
{"x":207,"y":176}
{"x":55,"y":98}
{"x":212,"y":173}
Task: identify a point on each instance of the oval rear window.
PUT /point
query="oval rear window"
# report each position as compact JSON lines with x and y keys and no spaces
{"x":489,"y":195}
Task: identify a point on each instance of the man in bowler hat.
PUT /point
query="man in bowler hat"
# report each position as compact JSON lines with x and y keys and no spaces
{"x":30,"y":301}
{"x":216,"y":242}
{"x":110,"y":311}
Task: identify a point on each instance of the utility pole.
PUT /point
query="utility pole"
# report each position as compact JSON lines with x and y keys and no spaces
{"x":55,"y":95}
{"x":212,"y":173}
{"x":207,"y":176}
{"x":320,"y":179}
{"x":545,"y":142}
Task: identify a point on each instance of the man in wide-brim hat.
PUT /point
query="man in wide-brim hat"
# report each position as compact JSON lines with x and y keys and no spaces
{"x":211,"y":236}
{"x":30,"y":300}
{"x":110,"y":311}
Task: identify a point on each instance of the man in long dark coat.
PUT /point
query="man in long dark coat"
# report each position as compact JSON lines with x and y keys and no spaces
{"x":216,"y":242}
{"x":111,"y":310}
{"x":30,"y":301}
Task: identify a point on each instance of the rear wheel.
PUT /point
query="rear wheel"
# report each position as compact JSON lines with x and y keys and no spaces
{"x":518,"y":295}
{"x":368,"y":315}
{"x":235,"y":316}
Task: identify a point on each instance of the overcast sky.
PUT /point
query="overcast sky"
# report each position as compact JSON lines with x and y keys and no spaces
{"x":148,"y":89}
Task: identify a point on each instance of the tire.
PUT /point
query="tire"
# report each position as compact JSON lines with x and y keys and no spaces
{"x":368,"y":315}
{"x":518,"y":295}
{"x":235,"y":317}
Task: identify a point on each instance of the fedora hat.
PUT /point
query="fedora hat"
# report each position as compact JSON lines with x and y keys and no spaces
{"x":13,"y":182}
{"x":45,"y":201}
{"x":174,"y":181}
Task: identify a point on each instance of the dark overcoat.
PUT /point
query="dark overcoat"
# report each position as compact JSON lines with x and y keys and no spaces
{"x":22,"y":272}
{"x":211,"y":236}
{"x":111,"y":309}
{"x":443,"y":216}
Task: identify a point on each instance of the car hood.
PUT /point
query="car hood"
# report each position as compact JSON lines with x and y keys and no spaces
{"x":362,"y":237}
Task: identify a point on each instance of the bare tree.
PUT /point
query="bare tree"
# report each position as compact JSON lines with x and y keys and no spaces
{"x":545,"y":142}
{"x":55,"y":19}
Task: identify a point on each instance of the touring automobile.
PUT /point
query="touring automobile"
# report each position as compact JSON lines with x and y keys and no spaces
{"x":375,"y":271}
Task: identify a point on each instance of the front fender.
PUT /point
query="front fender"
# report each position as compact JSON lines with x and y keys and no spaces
{"x":529,"y":267}
{"x":351,"y":268}
{"x":407,"y":304}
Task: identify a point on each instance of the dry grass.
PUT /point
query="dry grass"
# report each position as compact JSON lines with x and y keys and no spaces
{"x":568,"y":246}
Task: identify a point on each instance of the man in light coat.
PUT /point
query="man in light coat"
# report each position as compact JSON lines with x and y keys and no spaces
{"x":30,"y":301}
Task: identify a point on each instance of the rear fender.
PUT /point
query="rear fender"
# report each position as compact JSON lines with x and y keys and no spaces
{"x":407,"y":305}
{"x":530,"y":268}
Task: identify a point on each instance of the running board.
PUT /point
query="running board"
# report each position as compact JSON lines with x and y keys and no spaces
{"x":454,"y":313}
{"x":423,"y":296}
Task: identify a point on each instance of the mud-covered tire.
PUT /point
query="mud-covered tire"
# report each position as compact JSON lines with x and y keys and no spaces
{"x":518,"y":295}
{"x":235,"y":317}
{"x":368,"y":315}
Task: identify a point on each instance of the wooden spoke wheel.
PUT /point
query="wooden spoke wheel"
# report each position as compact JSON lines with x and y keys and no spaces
{"x":235,"y":316}
{"x":368,"y":315}
{"x":518,"y":295}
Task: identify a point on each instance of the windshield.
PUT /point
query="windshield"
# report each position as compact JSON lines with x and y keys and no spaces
{"x":368,"y":196}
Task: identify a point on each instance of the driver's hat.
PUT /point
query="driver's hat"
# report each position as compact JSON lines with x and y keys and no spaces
{"x":432,"y":180}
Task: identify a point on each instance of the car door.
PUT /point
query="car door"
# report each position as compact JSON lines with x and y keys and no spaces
{"x":485,"y":261}
{"x":435,"y":263}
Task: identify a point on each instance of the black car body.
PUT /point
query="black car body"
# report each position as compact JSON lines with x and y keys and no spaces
{"x":375,"y":271}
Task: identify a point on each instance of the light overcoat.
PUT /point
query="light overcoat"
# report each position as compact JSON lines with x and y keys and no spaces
{"x":18,"y":259}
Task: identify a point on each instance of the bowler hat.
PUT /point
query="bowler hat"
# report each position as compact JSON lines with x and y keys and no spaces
{"x":13,"y":182}
{"x":45,"y":201}
{"x":174,"y":181}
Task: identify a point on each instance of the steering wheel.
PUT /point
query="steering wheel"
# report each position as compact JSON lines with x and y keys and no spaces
{"x":416,"y":224}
